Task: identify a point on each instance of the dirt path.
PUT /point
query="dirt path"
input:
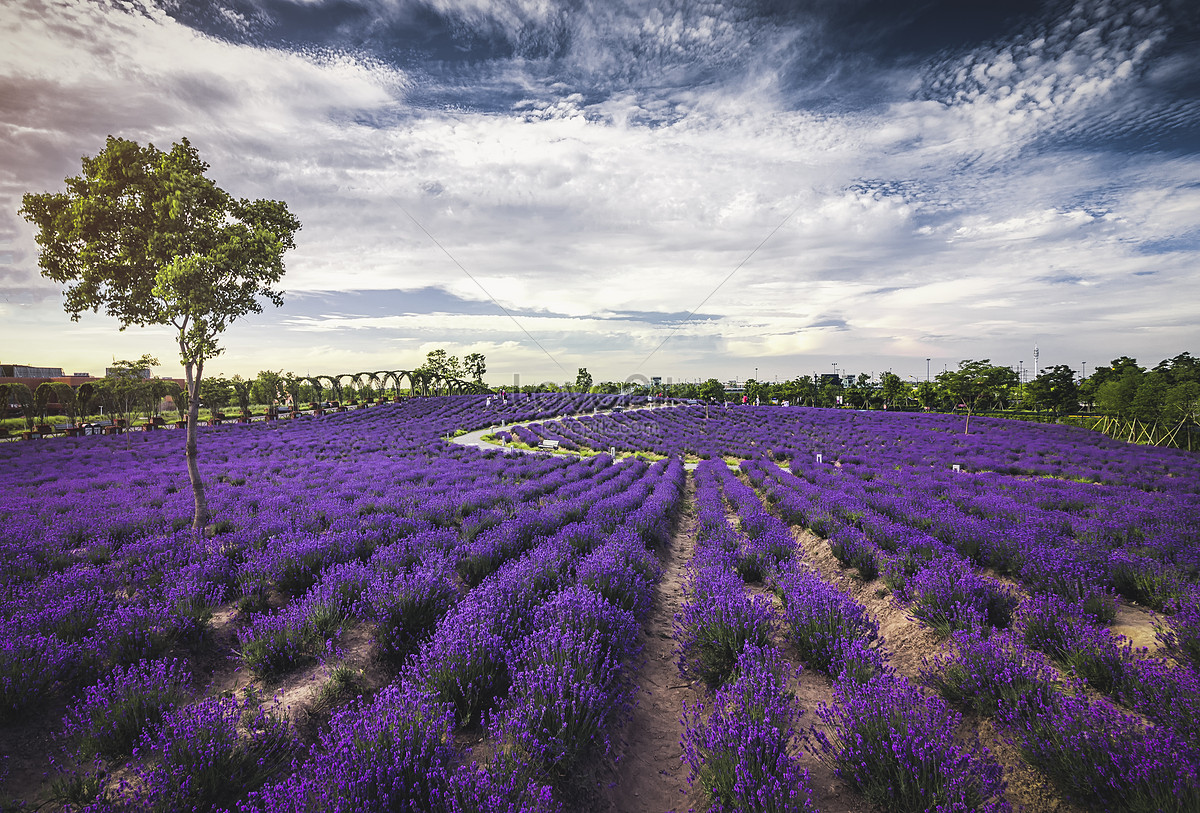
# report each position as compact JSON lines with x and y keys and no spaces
{"x":651,"y":775}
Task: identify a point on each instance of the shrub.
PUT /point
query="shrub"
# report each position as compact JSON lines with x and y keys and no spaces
{"x":464,"y":665}
{"x":391,"y":753}
{"x":823,"y":622}
{"x":209,"y":755}
{"x":114,"y":712}
{"x":716,"y":621}
{"x":899,"y":749}
{"x":949,"y":596}
{"x":1065,"y":633}
{"x":610,"y":570}
{"x":405,"y":609}
{"x":30,"y":668}
{"x":273,"y":643}
{"x":568,"y":691}
{"x":742,"y":755}
{"x":1181,"y":632}
{"x":504,"y":786}
{"x":852,"y":548}
{"x":1143,"y":580}
{"x":985,"y":675}
{"x":1104,"y":759}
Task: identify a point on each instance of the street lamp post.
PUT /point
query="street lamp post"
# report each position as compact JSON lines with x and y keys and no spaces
{"x":927,"y":369}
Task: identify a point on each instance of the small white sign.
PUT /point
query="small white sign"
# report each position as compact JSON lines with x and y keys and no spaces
{"x":819,"y":458}
{"x":956,"y":467}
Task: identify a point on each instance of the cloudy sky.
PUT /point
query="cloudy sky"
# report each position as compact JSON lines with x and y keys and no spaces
{"x":680,"y":189}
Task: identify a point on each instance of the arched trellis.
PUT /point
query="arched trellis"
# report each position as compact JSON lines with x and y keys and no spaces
{"x":419,"y":382}
{"x":335,"y":386}
{"x":365,"y":379}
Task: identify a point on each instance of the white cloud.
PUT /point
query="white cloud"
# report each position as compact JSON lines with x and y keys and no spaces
{"x":918,"y":228}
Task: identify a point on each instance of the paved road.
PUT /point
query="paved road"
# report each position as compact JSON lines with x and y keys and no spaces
{"x":476,"y":438}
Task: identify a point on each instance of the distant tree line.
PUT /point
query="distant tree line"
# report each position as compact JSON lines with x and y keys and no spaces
{"x":1166,"y":393}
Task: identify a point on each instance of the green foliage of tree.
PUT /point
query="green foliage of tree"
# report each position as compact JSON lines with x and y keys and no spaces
{"x":67,"y":399}
{"x":475,"y":367}
{"x":127,"y":387}
{"x":20,"y":394}
{"x":144,"y":235}
{"x":241,"y":393}
{"x":1054,"y":389}
{"x":85,"y":394}
{"x":216,"y":392}
{"x":267,"y":387}
{"x":42,"y":397}
{"x":583,"y":380}
{"x":442,"y":365}
{"x":893,"y":389}
{"x":757,"y":391}
{"x":795,"y":392}
{"x":927,"y":394}
{"x":712,"y":390}
{"x":976,"y":383}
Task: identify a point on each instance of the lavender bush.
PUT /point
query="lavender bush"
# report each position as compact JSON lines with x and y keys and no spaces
{"x":207,"y":756}
{"x":949,"y":596}
{"x":986,"y":675}
{"x":405,"y":609}
{"x":116,"y":711}
{"x":1104,"y":759}
{"x":391,"y":753}
{"x":830,"y":630}
{"x":743,"y":754}
{"x":899,"y":749}
{"x":717,"y":620}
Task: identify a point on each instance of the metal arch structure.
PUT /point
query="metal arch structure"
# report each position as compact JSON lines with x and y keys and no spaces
{"x":365,"y":379}
{"x":419,"y":382}
{"x":335,"y":386}
{"x":394,"y":376}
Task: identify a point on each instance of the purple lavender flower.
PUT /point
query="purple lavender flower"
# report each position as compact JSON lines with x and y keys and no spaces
{"x":831,"y":631}
{"x":207,"y":756}
{"x":405,"y":608}
{"x":716,"y":622}
{"x":391,"y":753}
{"x":114,"y":712}
{"x":742,"y":755}
{"x":1104,"y":759}
{"x":900,"y":749}
{"x":985,"y":675}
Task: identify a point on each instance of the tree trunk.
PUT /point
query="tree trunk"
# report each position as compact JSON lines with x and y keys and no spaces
{"x":200,"y":517}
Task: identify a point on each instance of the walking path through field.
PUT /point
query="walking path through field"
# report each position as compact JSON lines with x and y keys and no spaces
{"x":476,"y":438}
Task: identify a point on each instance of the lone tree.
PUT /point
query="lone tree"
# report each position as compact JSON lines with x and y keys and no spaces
{"x":145,"y":235}
{"x":974,"y":383}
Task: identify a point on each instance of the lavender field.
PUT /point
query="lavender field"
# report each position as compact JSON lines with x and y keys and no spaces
{"x":835,"y":611}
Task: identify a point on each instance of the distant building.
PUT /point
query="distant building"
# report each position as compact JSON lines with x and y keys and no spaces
{"x":25,"y":371}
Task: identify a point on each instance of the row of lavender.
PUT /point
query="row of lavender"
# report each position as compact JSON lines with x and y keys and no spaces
{"x":1126,"y":518}
{"x":1097,"y":753}
{"x":881,"y":734}
{"x":886,"y":438}
{"x":537,"y":655}
{"x":331,"y":517}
